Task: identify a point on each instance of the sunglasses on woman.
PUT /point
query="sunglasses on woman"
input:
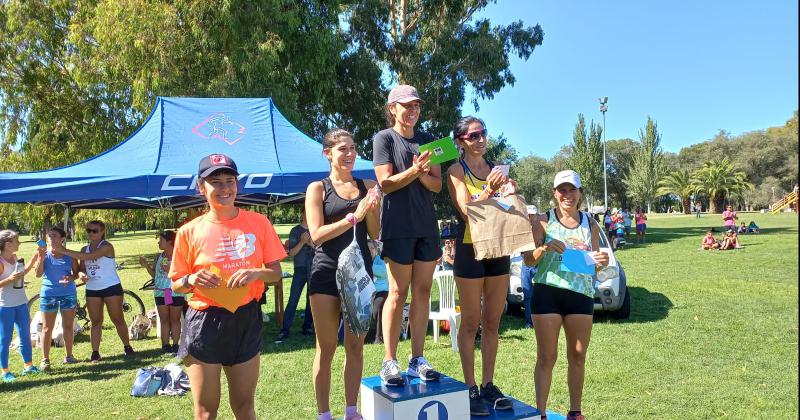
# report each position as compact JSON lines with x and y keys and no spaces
{"x":475,"y":135}
{"x":91,"y":230}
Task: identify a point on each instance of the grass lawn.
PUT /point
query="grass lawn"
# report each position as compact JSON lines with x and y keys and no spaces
{"x":711,"y":334}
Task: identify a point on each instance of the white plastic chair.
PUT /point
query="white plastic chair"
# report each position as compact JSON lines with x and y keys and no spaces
{"x":447,"y":306}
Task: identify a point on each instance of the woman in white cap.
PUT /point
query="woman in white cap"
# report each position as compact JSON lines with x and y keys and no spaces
{"x":408,"y":230}
{"x":563,"y":298}
{"x":221,"y":260}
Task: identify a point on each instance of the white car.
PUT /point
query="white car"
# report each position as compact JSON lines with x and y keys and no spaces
{"x":610,"y":285}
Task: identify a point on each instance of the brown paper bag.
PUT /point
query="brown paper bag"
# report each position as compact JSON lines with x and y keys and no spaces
{"x":497,"y":232}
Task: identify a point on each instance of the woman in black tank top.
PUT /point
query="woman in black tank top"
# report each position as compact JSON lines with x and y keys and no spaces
{"x":333,"y":205}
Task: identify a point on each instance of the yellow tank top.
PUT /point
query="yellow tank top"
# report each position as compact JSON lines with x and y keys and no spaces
{"x":475,"y":186}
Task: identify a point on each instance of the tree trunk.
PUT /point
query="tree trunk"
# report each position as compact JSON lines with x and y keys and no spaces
{"x":686,"y":205}
{"x":715,"y":204}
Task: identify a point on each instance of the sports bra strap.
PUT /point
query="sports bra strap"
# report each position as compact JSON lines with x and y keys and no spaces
{"x":468,"y":172}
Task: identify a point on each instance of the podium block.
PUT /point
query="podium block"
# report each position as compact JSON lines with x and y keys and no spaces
{"x":519,"y":411}
{"x":447,"y":399}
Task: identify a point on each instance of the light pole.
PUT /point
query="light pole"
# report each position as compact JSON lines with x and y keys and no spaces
{"x":603,"y":109}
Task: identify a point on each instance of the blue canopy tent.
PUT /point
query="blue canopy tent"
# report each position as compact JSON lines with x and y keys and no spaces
{"x":156,"y":166}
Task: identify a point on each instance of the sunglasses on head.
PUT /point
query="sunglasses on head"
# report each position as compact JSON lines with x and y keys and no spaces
{"x":475,"y":135}
{"x":92,"y":230}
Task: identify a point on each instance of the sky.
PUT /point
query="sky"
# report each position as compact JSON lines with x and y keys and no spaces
{"x":695,"y":67}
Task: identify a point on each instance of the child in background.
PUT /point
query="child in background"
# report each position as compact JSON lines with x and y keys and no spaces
{"x":742,"y":228}
{"x":641,"y":225}
{"x":709,"y":242}
{"x":380,"y":277}
{"x":753,"y":227}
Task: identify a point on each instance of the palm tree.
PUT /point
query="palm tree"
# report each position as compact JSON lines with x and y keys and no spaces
{"x":679,"y":183}
{"x":719,"y":179}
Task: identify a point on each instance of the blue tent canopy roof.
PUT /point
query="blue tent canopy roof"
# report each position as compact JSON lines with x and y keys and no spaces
{"x":157,"y":164}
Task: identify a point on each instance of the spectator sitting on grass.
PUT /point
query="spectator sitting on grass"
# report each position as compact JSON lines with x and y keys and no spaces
{"x":742,"y":228}
{"x":731,"y":241}
{"x":709,"y":242}
{"x":753,"y":227}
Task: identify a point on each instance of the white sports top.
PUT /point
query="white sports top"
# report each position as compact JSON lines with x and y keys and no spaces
{"x":102,"y":272}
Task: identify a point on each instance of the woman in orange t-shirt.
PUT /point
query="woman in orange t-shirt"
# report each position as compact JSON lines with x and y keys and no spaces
{"x":222,"y":259}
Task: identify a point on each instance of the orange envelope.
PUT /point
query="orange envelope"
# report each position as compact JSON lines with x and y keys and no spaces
{"x":229,"y":299}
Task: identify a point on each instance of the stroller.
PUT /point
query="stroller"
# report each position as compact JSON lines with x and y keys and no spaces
{"x":618,"y":235}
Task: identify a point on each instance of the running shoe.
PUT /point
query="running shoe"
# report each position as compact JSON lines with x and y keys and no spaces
{"x":70,"y":360}
{"x":95,"y":357}
{"x":175,"y":348}
{"x":9,"y":377}
{"x":283,"y":335}
{"x":477,"y":406}
{"x":129,"y":351}
{"x":30,"y":370}
{"x":356,"y":416}
{"x":492,"y":394}
{"x":165,"y":348}
{"x":575,"y":415}
{"x":419,"y":367}
{"x":44,"y":365}
{"x":390,"y":373}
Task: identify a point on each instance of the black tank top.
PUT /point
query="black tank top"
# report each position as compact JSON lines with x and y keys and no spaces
{"x":335,"y":208}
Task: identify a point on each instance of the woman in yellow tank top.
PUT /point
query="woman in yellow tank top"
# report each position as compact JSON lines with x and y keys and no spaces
{"x":473,"y":178}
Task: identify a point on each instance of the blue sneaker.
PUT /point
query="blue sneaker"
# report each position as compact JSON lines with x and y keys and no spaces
{"x":419,"y":367}
{"x":9,"y":377}
{"x":31,"y":370}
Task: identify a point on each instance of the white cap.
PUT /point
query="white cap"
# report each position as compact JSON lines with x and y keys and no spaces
{"x":569,"y":177}
{"x":532,"y":209}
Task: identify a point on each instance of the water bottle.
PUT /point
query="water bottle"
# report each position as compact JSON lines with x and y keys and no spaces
{"x":20,"y":282}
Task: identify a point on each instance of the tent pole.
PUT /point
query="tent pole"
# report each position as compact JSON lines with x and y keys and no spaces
{"x":66,"y":219}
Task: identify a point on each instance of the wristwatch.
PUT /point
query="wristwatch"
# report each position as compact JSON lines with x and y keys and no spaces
{"x":185,"y":282}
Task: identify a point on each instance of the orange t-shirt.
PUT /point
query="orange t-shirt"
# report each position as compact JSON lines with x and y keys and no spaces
{"x":246,"y":241}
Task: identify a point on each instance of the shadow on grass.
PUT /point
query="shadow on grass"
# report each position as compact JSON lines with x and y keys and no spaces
{"x":646,"y":306}
{"x":109,"y":367}
{"x":44,"y":379}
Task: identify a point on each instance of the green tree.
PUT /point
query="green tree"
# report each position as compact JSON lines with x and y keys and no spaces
{"x":646,"y":166}
{"x":441,"y":49}
{"x":681,"y":184}
{"x":720,"y":180}
{"x":586,"y":158}
{"x":619,"y":154}
{"x":534,"y":176}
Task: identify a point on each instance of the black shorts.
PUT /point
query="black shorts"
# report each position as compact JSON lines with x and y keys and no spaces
{"x":115,"y":290}
{"x":547,"y":299}
{"x":407,"y":250}
{"x":178,"y":301}
{"x":466,"y":266}
{"x":323,"y":282}
{"x":216,"y":336}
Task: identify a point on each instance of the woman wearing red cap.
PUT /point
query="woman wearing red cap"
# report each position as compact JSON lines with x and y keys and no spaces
{"x":563,"y":298}
{"x":223,"y":258}
{"x":408,"y":230}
